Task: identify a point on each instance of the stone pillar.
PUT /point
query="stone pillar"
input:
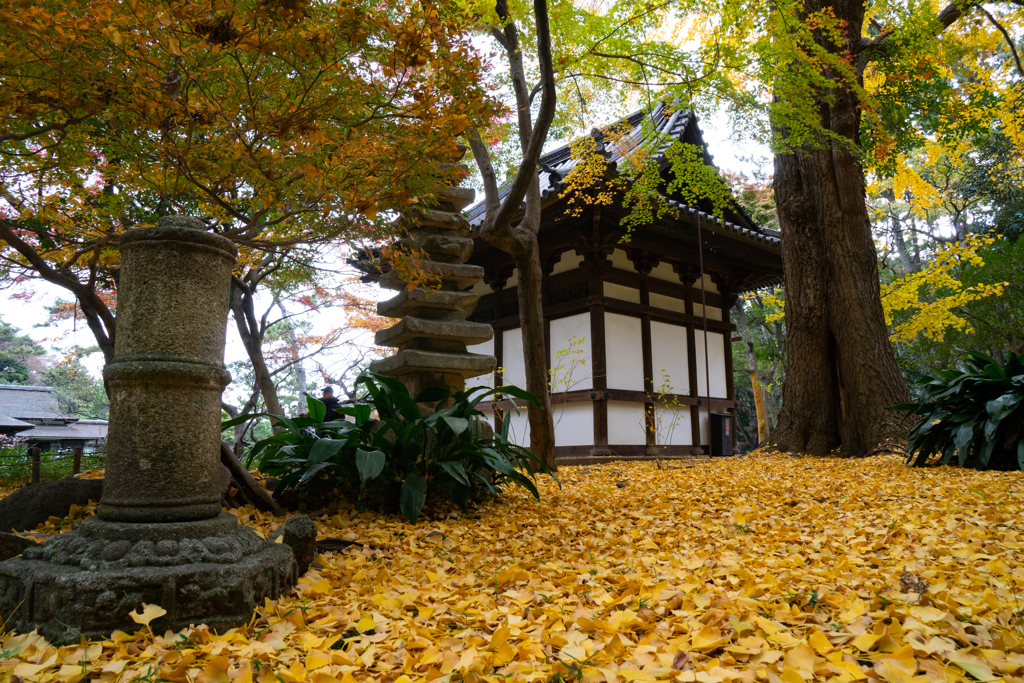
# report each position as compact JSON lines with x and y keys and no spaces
{"x":167,"y":375}
{"x":160,"y":536}
{"x":432,"y":333}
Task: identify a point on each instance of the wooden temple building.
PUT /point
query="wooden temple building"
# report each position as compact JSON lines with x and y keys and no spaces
{"x":627,"y":316}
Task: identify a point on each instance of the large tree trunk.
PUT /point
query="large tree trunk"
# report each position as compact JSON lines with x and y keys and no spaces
{"x":840,"y":369}
{"x":531,"y":322}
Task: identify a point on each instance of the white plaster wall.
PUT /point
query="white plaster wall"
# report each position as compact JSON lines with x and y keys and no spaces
{"x":669,"y":354}
{"x":480,"y":288}
{"x":716,"y":363}
{"x":613,"y":291}
{"x":621,"y":261}
{"x":714,"y":313}
{"x":519,"y":428}
{"x":668,"y":302}
{"x":577,"y":371}
{"x":513,"y":280}
{"x":625,"y":360}
{"x":626,"y":424}
{"x":663,"y":271}
{"x":513,"y":369}
{"x":705,"y":428}
{"x":672,"y":425}
{"x":574,"y":423}
{"x":570,"y":261}
{"x":485,"y":349}
{"x":709,"y":286}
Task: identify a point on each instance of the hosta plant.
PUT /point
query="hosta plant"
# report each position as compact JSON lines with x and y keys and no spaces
{"x":391,"y":450}
{"x":973,"y":416}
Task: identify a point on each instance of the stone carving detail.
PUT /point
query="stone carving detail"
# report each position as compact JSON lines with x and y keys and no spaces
{"x":225,"y":545}
{"x":159,"y":535}
{"x":433,"y":330}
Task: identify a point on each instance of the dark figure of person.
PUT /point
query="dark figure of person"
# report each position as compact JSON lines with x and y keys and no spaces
{"x":328,"y":400}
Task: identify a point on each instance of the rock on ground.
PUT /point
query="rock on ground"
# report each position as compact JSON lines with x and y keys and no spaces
{"x":300,"y":534}
{"x":28,"y":507}
{"x":12,"y":545}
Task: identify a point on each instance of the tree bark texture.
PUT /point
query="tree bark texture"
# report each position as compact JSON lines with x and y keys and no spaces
{"x":531,"y":321}
{"x":519,"y":240}
{"x":840,"y":369}
{"x":251,"y":331}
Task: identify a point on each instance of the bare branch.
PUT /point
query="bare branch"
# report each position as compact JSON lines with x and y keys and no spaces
{"x":1006,"y":35}
{"x":949,"y":15}
{"x":41,"y":130}
{"x":483,"y":163}
{"x":533,"y":136}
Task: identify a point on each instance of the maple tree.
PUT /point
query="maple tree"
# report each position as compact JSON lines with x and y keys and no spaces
{"x":765,"y":568}
{"x":281,"y":124}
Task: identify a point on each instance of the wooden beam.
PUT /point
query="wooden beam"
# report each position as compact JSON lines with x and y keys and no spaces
{"x":618,"y":306}
{"x":686,"y":275}
{"x":623,"y":395}
{"x":730,"y":382}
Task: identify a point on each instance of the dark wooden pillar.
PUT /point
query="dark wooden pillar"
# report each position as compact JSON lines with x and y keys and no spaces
{"x":36,"y":463}
{"x":725,"y":287}
{"x":644,"y":262}
{"x":687,"y":274}
{"x":595,"y":250}
{"x":547,"y":264}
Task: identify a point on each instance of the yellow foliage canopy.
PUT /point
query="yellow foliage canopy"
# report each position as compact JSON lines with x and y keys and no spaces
{"x":932,"y":296}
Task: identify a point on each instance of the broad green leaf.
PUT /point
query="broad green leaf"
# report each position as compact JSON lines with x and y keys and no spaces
{"x":317,"y":409}
{"x":228,"y":424}
{"x":458,"y":424}
{"x":413,"y":496}
{"x":324,"y":449}
{"x":369,"y":464}
{"x":457,"y":471}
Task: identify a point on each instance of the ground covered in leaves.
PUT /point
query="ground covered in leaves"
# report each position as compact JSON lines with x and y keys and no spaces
{"x":766,"y":568}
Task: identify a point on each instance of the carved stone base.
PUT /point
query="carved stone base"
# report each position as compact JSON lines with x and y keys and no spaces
{"x":86,"y":581}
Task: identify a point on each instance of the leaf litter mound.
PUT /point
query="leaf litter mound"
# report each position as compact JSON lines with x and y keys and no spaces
{"x":764,"y":568}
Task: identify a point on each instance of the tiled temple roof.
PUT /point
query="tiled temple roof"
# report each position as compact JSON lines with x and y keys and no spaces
{"x":672,"y":124}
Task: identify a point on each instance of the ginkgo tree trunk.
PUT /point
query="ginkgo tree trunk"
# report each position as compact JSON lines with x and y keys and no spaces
{"x":841,"y":372}
{"x":516,"y":234}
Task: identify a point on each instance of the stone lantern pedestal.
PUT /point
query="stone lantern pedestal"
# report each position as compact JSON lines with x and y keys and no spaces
{"x":159,"y":536}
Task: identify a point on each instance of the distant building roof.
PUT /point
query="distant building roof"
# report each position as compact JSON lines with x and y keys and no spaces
{"x":10,"y":425}
{"x":30,"y":403}
{"x":85,"y":430}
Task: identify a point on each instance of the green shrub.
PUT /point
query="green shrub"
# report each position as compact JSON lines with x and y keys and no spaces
{"x":399,"y":454}
{"x":975,"y":413}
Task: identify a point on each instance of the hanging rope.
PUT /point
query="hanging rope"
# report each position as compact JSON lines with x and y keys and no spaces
{"x":704,"y":313}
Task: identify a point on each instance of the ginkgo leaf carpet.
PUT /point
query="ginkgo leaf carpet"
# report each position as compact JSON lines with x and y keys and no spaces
{"x":762,"y":568}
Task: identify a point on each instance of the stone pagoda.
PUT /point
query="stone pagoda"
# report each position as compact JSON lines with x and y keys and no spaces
{"x":432,"y":332}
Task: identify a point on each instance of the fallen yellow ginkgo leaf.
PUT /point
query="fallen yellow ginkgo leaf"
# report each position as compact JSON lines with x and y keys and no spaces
{"x":148,"y":614}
